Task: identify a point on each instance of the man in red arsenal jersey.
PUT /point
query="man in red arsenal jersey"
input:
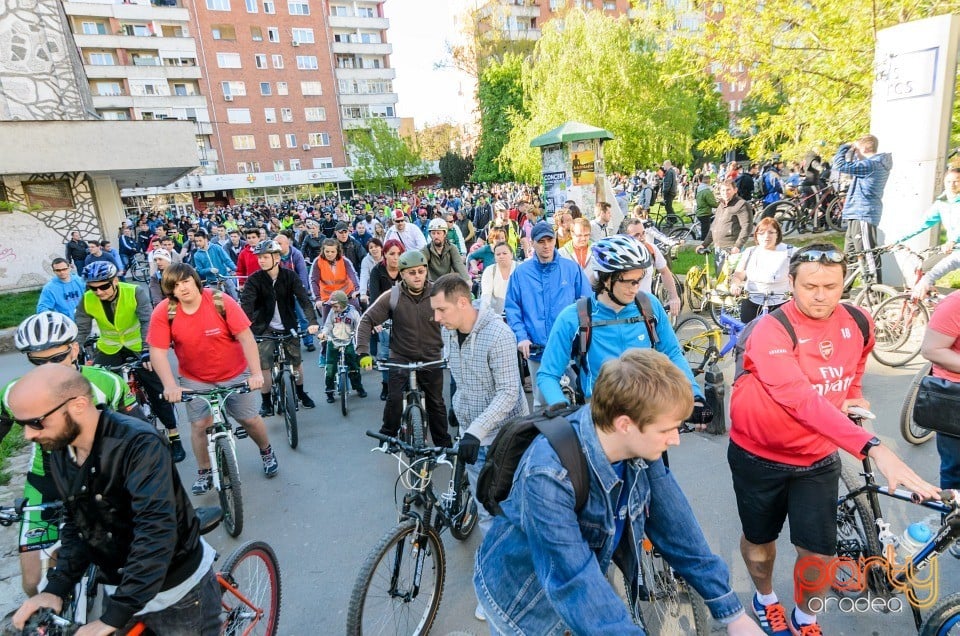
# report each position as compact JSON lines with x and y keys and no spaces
{"x":788,"y":416}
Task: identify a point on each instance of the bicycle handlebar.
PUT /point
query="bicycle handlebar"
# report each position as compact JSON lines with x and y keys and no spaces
{"x":281,"y":337}
{"x":13,"y":514}
{"x":192,"y":394}
{"x":383,"y":365}
{"x":418,"y":451}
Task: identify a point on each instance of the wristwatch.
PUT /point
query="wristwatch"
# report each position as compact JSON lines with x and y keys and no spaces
{"x":871,"y":443}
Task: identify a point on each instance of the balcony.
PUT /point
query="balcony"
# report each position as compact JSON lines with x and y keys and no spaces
{"x":366,"y":73}
{"x":130,"y":12}
{"x":142,"y":72}
{"x":354,"y":99}
{"x":357,"y":48}
{"x":521,"y":34}
{"x":356,"y":22}
{"x":138,"y":43}
{"x":393,"y":122}
{"x":102,"y":102}
{"x":529,"y":11}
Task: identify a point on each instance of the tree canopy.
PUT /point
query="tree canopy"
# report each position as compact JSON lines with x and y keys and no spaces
{"x":500,"y":96}
{"x":380,"y":158}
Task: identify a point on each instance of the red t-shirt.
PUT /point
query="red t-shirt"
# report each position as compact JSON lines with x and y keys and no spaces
{"x":786,"y":408}
{"x":204,"y":342}
{"x":946,"y":320}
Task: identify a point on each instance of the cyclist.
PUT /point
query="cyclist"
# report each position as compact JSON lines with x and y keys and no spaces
{"x":342,"y":313}
{"x":636,"y":229}
{"x":762,"y":271}
{"x":122,"y":313}
{"x":211,"y":261}
{"x":51,"y":337}
{"x":945,"y":211}
{"x":126,"y":512}
{"x":442,"y":257}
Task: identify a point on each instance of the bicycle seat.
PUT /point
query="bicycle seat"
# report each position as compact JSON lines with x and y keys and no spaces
{"x":210,"y":517}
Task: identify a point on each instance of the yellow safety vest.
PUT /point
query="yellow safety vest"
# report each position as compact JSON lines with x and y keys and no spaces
{"x":124,"y":332}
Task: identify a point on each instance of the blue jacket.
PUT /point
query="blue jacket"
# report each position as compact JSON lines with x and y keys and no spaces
{"x":213,"y":256}
{"x":865,"y":196}
{"x":606,"y":342}
{"x":537,"y":293}
{"x":773,"y":185}
{"x":541,"y":567}
{"x":61,"y":297}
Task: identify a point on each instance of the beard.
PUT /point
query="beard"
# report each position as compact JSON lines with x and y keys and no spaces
{"x":69,"y":434}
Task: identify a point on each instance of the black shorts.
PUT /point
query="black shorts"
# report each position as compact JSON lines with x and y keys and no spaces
{"x":768,"y":492}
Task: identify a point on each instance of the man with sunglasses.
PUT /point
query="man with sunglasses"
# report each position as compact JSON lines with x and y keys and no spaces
{"x":636,"y":229}
{"x":122,"y":312}
{"x":407,"y":233}
{"x":788,"y":412}
{"x":126,"y":512}
{"x":51,"y":338}
{"x":63,"y":292}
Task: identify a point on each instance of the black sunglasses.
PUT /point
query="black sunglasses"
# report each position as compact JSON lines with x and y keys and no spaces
{"x":818,"y":256}
{"x":60,"y":357}
{"x":37,"y":422}
{"x":99,"y":287}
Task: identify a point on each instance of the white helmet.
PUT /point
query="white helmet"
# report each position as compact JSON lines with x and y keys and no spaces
{"x":43,"y":331}
{"x":437,"y":224}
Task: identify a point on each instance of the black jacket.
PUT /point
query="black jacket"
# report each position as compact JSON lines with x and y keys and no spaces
{"x":353,"y":251}
{"x":380,"y":281}
{"x":76,"y":251}
{"x":311,"y":247}
{"x":127,"y":512}
{"x":260,"y":295}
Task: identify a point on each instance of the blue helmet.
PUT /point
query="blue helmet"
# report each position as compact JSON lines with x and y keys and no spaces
{"x":620,"y":253}
{"x":99,"y":271}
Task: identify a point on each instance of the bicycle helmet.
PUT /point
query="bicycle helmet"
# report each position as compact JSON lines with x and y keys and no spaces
{"x":267,"y":247}
{"x":619,"y":254}
{"x":437,"y":224}
{"x":99,"y":271}
{"x":43,"y":331}
{"x":410,"y":259}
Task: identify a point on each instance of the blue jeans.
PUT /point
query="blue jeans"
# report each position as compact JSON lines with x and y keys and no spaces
{"x":383,"y":351}
{"x":473,"y":473}
{"x":949,"y":449}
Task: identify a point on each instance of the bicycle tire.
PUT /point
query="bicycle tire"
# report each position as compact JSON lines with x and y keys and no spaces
{"x":786,"y":214}
{"x":856,"y":534}
{"x":231,"y":499}
{"x":660,"y":290}
{"x":910,"y":430}
{"x":288,"y":405}
{"x":694,"y":337}
{"x":729,"y":305}
{"x":835,"y":218}
{"x":899,"y":325}
{"x":682,"y":233}
{"x":141,"y":270}
{"x":695,"y":289}
{"x":870,"y":296}
{"x":401,"y":545}
{"x":254,"y":571}
{"x":413,"y":428}
{"x":463,"y":526}
{"x":343,"y":392}
{"x":670,"y":605}
{"x":944,"y":619}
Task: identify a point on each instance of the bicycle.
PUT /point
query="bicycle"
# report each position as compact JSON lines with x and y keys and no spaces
{"x":413,"y":420}
{"x":703,"y":290}
{"x":871,"y":292}
{"x":910,"y":430}
{"x":865,"y":543}
{"x":222,"y":451}
{"x":139,"y":267}
{"x":127,"y":370}
{"x":283,"y":393}
{"x":341,"y":337}
{"x":702,"y":343}
{"x":794,"y":213}
{"x":390,"y":594}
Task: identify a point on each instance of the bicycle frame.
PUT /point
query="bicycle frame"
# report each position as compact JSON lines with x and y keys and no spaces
{"x":219,"y":430}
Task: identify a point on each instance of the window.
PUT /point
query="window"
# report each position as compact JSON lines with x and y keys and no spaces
{"x":251,"y":6}
{"x":218,"y":5}
{"x":316,"y":113}
{"x":244,"y":142}
{"x":181,"y":90}
{"x":303,"y":36}
{"x":278,"y":165}
{"x":235,"y":89}
{"x":298,"y":7}
{"x":282,"y":88}
{"x":94,"y":28}
{"x":307,"y":62}
{"x":228,"y":60}
{"x":223,"y":32}
{"x":311,"y":88}
{"x":291,"y":140}
{"x":101,"y":59}
{"x":322,"y":162}
{"x":370,"y":38}
{"x":356,"y":112}
{"x":270,"y":115}
{"x":238,"y":115}
{"x":277,"y":60}
{"x":115,"y":115}
{"x":609,"y":6}
{"x":339,"y":10}
{"x":269,"y":7}
{"x":256,"y":34}
{"x":265,"y":88}
{"x":286,"y":115}
{"x":109,"y":88}
{"x":248,"y":166}
{"x":381,"y":111}
{"x":366,"y":12}
{"x":274,"y":141}
{"x":294,"y":164}
{"x":318,"y":139}
{"x":273,"y":34}
{"x":260,"y":59}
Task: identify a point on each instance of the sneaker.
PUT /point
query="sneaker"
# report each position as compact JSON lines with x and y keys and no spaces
{"x":311,"y":347}
{"x":813,"y":629}
{"x":270,"y":465}
{"x":361,"y":392}
{"x":176,"y":451}
{"x":773,"y":618}
{"x":266,"y":410}
{"x":330,"y":398}
{"x":383,"y":391}
{"x":203,"y":484}
{"x":306,"y":401}
{"x":478,"y":613}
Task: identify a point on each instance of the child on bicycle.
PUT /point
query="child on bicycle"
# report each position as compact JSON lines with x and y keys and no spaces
{"x":341,"y":322}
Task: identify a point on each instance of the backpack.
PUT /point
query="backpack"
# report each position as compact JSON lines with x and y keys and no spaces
{"x":761,"y":185}
{"x":781,"y":317}
{"x":217,"y":302}
{"x":515,"y":436}
{"x":581,"y":345}
{"x":394,"y":298}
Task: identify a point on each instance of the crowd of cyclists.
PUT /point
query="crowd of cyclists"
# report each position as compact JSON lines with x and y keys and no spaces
{"x":385,"y":265}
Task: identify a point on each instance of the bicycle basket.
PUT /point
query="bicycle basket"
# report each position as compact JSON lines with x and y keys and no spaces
{"x":341,"y":335}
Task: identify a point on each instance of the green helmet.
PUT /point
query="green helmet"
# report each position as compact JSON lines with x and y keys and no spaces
{"x":339,"y":297}
{"x":412,"y":259}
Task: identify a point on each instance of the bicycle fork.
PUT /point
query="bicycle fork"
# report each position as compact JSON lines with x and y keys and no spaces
{"x":212,"y":437}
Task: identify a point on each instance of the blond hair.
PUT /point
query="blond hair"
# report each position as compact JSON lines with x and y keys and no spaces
{"x":642,"y":384}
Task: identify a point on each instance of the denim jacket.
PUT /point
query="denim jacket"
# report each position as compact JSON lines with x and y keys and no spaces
{"x":541,"y":567}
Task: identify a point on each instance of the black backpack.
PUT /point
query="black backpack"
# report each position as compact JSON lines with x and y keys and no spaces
{"x":781,"y":317}
{"x":515,"y":436}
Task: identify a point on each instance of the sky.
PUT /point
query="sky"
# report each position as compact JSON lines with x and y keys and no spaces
{"x":419,"y":31}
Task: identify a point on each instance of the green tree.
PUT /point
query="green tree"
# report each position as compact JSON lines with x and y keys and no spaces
{"x":454,"y":169}
{"x":381,"y":159}
{"x":433,"y":142}
{"x":500,"y":96}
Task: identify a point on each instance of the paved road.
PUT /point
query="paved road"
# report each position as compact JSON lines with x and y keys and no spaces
{"x":333,"y":499}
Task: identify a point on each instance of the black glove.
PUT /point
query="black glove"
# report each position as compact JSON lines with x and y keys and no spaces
{"x":702,"y":414}
{"x":469,"y":449}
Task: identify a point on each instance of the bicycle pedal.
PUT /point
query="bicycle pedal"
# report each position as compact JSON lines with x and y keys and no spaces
{"x":240,"y":432}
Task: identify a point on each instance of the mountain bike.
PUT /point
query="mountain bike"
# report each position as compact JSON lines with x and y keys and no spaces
{"x":413,"y":420}
{"x":910,"y":430}
{"x":341,"y":337}
{"x":704,"y":290}
{"x":400,"y":585}
{"x":222,"y":450}
{"x":795,"y":213}
{"x":283,"y":391}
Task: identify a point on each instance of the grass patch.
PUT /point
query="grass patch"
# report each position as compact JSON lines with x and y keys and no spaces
{"x":15,"y":307}
{"x":11,"y":445}
{"x":688,"y":256}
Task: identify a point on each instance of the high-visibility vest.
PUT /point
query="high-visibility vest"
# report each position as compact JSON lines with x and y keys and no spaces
{"x":331,"y":278}
{"x":124,"y":331}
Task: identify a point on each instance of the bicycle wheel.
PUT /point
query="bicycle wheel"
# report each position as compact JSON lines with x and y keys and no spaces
{"x":870,"y":296}
{"x":141,"y":270}
{"x":662,"y":292}
{"x":944,"y":620}
{"x":251,"y":595}
{"x":400,"y":585}
{"x":695,"y":288}
{"x":343,"y":392}
{"x":684,"y":234}
{"x":413,"y":427}
{"x":726,"y":304}
{"x":695,"y":337}
{"x":908,"y":428}
{"x":856,"y":537}
{"x":230,"y":498}
{"x":288,"y":405}
{"x":669,"y":606}
{"x":467,"y":520}
{"x":786,"y":214}
{"x":835,"y":214}
{"x":900,"y":325}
